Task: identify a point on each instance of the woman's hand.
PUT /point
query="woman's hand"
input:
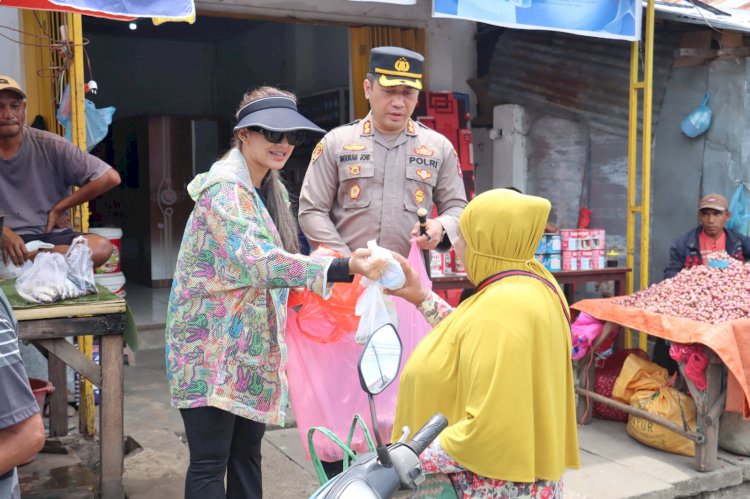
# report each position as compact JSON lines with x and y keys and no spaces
{"x":413,"y":291}
{"x":361,"y":263}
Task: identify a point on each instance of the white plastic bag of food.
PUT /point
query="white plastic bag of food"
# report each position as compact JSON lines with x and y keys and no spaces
{"x":45,"y":281}
{"x":375,"y":308}
{"x":393,"y":276}
{"x":81,"y":266}
{"x":11,"y":270}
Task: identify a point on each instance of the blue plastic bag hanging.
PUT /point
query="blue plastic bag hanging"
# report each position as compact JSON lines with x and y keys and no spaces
{"x":698,"y":121}
{"x":97,"y":120}
{"x":739,"y":209}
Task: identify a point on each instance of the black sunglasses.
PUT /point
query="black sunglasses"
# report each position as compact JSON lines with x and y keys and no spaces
{"x":294,"y":138}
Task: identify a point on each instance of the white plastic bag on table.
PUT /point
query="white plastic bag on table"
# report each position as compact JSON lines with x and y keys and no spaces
{"x":11,"y":270}
{"x":374,"y":308}
{"x":46,"y":280}
{"x":81,"y":266}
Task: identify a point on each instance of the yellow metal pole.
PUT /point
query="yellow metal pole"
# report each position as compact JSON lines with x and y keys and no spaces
{"x":78,"y":124}
{"x":646,"y":158}
{"x":640,"y":204}
{"x":632,"y":172}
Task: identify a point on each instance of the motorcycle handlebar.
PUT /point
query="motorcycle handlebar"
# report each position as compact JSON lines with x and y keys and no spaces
{"x":427,"y":433}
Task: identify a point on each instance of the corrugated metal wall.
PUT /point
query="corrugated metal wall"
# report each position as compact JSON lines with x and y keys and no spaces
{"x":573,"y":77}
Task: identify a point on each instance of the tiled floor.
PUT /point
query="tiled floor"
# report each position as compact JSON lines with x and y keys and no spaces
{"x":149,"y":305}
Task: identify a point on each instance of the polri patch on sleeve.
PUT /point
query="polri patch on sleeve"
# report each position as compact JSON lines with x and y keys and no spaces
{"x":317,"y":151}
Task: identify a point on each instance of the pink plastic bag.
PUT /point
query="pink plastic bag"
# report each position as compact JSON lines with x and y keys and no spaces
{"x":324,"y":384}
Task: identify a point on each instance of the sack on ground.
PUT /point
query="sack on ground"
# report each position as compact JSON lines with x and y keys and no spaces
{"x":670,"y":404}
{"x":604,"y":381}
{"x":643,"y":384}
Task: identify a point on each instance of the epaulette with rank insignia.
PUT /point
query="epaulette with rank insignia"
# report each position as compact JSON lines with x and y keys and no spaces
{"x":345,"y":124}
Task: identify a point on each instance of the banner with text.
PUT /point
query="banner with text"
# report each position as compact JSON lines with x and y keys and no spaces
{"x":617,"y":19}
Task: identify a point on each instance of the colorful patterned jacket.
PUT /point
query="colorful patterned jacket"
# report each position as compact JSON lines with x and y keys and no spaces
{"x":225,"y":343}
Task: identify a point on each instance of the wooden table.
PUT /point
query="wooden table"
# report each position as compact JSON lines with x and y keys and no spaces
{"x":48,"y":326}
{"x":709,"y":404}
{"x":567,"y":279}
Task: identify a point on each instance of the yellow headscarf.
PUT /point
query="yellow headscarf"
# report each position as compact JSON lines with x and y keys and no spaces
{"x":499,"y":366}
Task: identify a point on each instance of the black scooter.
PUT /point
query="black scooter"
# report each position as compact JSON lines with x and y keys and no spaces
{"x":380,"y":474}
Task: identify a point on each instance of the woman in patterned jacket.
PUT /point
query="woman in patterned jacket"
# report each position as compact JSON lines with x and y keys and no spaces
{"x":225,"y":349}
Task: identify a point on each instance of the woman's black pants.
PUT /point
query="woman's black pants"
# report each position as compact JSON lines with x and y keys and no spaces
{"x":221,"y":444}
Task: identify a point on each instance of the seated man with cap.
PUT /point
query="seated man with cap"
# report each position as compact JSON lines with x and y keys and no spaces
{"x":38,"y":171}
{"x":695,"y":246}
{"x":366,"y":180}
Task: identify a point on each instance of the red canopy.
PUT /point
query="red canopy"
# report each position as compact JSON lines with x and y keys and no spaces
{"x":47,"y":5}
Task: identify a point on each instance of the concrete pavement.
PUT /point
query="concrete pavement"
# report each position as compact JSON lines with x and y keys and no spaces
{"x":613,"y":465}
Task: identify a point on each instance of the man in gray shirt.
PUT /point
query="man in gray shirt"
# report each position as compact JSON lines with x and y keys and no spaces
{"x":21,"y":427}
{"x":37,"y":171}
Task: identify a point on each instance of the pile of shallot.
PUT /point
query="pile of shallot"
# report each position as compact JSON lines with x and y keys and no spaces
{"x":702,"y":293}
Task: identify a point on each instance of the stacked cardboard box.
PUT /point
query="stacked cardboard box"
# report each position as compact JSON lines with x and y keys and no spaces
{"x":583,"y":249}
{"x":445,"y":264}
{"x":548,"y":252}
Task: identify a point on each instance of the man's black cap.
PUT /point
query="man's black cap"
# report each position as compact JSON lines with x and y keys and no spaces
{"x":397,"y":66}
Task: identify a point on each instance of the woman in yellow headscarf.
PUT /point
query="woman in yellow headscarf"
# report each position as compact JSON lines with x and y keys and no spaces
{"x":498,"y":367}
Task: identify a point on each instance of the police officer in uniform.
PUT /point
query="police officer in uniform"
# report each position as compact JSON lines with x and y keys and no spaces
{"x":366,"y":180}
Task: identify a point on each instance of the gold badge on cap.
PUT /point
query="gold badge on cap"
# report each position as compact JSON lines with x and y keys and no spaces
{"x":419,"y":196}
{"x":424,"y":174}
{"x":402,"y":65}
{"x":317,"y":152}
{"x":354,"y":192}
{"x":423,"y":151}
{"x":355,"y":147}
{"x":355,"y":169}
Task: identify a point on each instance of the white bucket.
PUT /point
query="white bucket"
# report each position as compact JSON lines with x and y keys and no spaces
{"x":113,"y":234}
{"x":114,"y":282}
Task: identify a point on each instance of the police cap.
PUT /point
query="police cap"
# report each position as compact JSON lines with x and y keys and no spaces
{"x":397,"y":66}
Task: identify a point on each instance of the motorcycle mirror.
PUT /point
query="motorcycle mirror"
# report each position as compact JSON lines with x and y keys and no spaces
{"x":380,"y":360}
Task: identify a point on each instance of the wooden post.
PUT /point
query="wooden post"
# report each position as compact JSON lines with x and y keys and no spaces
{"x":709,"y":406}
{"x":111,"y":417}
{"x":58,"y":402}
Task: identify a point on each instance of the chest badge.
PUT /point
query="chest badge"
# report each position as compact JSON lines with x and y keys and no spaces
{"x":317,"y":152}
{"x":419,"y":196}
{"x":424,"y":174}
{"x":355,"y":147}
{"x":355,"y":192}
{"x":355,"y":169}
{"x":423,"y":151}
